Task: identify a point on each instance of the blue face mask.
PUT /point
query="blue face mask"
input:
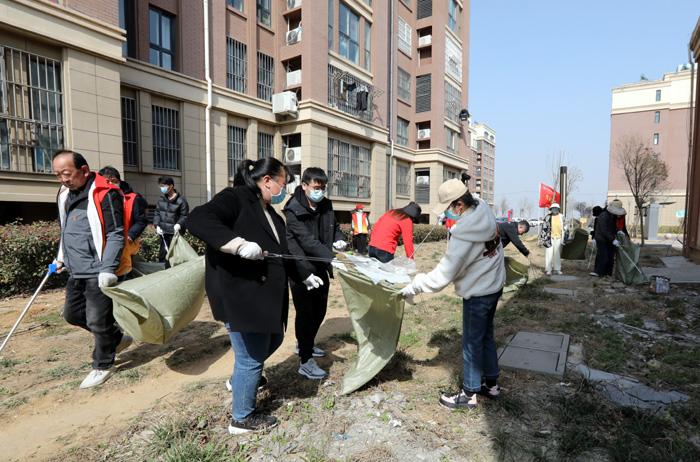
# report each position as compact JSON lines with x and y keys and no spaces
{"x":450,"y":215}
{"x":316,"y":195}
{"x":164,"y":189}
{"x":279,"y":197}
{"x":555,"y":210}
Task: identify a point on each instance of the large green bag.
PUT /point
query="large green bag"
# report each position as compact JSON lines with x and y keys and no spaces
{"x":516,"y":274}
{"x":576,"y":248}
{"x":626,"y":267}
{"x":154,"y":307}
{"x":376,"y":313}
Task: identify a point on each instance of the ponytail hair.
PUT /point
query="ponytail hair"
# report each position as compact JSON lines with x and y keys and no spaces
{"x":251,"y":171}
{"x":467,"y":198}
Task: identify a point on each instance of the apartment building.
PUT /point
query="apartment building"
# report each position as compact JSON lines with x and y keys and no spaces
{"x":691,"y":238}
{"x":127,"y":83}
{"x":483,"y":161}
{"x":658,"y":111}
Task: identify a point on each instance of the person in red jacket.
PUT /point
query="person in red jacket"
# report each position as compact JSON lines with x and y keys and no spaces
{"x":386,"y":232}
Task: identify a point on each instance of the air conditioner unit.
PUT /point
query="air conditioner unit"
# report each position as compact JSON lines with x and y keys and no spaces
{"x":294,"y":36}
{"x":284,"y":103}
{"x":425,"y":40}
{"x":423,"y":134}
{"x":293,"y":4}
{"x":294,"y":78}
{"x":292,"y":156}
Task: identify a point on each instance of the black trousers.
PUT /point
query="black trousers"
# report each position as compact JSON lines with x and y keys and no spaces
{"x":605,"y":258}
{"x":310,"y":306}
{"x":162,"y":252}
{"x":87,"y":307}
{"x":361,"y":243}
{"x":381,"y":255}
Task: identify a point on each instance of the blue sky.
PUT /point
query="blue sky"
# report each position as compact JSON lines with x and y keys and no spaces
{"x":542,"y":72}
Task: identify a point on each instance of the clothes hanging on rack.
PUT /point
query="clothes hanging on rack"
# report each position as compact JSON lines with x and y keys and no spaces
{"x":362,"y":103}
{"x":350,"y":86}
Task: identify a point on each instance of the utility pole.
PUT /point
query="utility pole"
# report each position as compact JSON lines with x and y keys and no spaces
{"x":562,"y":190}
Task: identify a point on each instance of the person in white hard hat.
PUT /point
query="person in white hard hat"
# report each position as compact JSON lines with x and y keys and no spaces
{"x":552,"y":238}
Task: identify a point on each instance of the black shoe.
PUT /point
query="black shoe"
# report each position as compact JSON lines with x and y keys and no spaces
{"x":255,"y":422}
{"x":459,"y":400}
{"x":492,"y":393}
{"x":261,"y":384}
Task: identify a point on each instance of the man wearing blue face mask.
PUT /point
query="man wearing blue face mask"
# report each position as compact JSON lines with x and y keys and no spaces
{"x":170,"y":215}
{"x":312,"y":230}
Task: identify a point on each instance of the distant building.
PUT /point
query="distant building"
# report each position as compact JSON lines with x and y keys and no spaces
{"x":124,"y":83}
{"x":659,"y":112}
{"x":692,"y":233}
{"x":482,"y":164}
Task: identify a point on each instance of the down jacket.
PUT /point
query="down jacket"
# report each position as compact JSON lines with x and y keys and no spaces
{"x":170,"y":212}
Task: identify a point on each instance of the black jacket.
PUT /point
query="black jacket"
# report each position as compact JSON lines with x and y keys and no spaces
{"x":311,"y":232}
{"x":509,"y":233}
{"x":605,"y":227}
{"x":170,"y":212}
{"x":139,"y":220}
{"x":251,"y":295}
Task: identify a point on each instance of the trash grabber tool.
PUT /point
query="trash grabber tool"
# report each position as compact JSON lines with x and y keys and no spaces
{"x":52,"y":269}
{"x":297,"y":257}
{"x":426,"y":237}
{"x":590,"y":259}
{"x":622,"y":251}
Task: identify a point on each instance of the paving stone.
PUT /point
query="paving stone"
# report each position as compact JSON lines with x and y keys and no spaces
{"x":563,"y":278}
{"x":554,"y":290}
{"x":536,"y":352}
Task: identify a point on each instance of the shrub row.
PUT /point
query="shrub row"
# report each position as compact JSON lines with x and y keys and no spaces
{"x":27,"y":250}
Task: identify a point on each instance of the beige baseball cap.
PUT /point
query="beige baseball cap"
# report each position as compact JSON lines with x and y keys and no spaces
{"x":448,"y":192}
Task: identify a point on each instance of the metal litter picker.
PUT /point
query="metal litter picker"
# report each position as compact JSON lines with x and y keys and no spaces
{"x":52,"y":269}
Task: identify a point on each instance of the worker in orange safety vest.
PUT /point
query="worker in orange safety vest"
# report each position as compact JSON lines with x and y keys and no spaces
{"x":360,"y":229}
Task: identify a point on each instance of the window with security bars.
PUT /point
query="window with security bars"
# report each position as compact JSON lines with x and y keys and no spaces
{"x":266,"y":146}
{"x":350,"y":94}
{"x":31,"y":111}
{"x":129,"y":132}
{"x":402,"y":131}
{"x":349,"y":169}
{"x":403,"y":179}
{"x":404,"y":83}
{"x":236,"y":148}
{"x":266,"y":76}
{"x":453,"y":99}
{"x":236,"y":65}
{"x":166,"y":138}
{"x":423,"y":93}
{"x":424,"y":9}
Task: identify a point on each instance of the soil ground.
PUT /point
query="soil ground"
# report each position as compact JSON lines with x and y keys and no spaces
{"x":168,"y":402}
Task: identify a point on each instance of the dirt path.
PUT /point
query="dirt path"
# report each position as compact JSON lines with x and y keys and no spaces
{"x":55,"y":415}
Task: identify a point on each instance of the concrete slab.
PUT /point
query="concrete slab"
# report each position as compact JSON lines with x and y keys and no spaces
{"x":563,"y":278}
{"x":554,"y":290}
{"x":678,"y":275}
{"x":544,"y":353}
{"x":678,"y":262}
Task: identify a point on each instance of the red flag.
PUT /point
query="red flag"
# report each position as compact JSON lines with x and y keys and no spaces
{"x":546,"y":195}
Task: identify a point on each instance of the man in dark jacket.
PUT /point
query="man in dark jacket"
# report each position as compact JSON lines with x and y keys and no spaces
{"x":92,"y":240}
{"x":511,"y":232}
{"x":312,"y":230}
{"x":606,"y":232}
{"x":171,"y":212}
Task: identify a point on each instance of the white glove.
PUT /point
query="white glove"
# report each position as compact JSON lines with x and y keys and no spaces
{"x":340,"y":245}
{"x":336,"y":264}
{"x":106,"y":279}
{"x":250,"y":251}
{"x":616,"y":243}
{"x":620,"y":232}
{"x":176,"y":227}
{"x":59,"y":266}
{"x":410,"y":289}
{"x":159,"y":230}
{"x":593,"y":242}
{"x":313,"y":282}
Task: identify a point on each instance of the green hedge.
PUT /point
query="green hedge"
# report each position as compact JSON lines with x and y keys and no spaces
{"x":27,"y":250}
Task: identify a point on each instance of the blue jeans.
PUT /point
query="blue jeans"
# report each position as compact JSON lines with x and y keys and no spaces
{"x":251,"y":350}
{"x":478,"y":344}
{"x":381,"y":255}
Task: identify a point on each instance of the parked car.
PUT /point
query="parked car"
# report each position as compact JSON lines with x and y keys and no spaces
{"x":534,"y":222}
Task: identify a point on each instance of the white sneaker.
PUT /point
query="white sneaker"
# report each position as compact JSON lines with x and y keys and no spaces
{"x":319,"y":353}
{"x":549,"y":273}
{"x":559,"y":272}
{"x":311,"y":370}
{"x":125,"y":343}
{"x":97,"y":377}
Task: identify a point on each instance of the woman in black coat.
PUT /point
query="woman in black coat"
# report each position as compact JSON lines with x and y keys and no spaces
{"x":247,"y":291}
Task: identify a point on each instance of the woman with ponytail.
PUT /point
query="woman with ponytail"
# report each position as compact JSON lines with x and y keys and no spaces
{"x":390,"y":226}
{"x":474,"y":262}
{"x":248,"y":292}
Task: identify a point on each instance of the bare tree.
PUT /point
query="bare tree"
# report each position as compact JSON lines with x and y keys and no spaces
{"x":574,"y":175}
{"x":504,"y":207}
{"x":584,"y":209}
{"x":646,"y":174}
{"x":525,"y":206}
